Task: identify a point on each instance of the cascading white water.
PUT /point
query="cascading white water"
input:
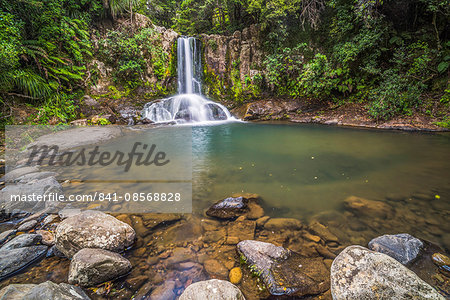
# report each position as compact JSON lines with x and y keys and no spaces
{"x":189,"y":106}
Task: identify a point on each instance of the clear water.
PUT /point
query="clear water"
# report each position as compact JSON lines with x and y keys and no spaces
{"x":306,"y":169}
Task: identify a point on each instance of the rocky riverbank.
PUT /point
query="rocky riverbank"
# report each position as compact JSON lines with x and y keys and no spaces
{"x":247,"y":253}
{"x":322,"y":112}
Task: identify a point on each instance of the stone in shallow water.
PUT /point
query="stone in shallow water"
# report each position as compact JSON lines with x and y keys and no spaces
{"x":235,"y":275}
{"x":48,"y":238}
{"x":215,"y":269}
{"x":285,"y":272}
{"x":443,"y":263}
{"x":35,"y":176}
{"x":358,"y":273}
{"x":6,"y":234}
{"x":20,"y":241}
{"x":240,"y":230}
{"x":46,"y":290}
{"x":322,"y":231}
{"x":213,"y":289}
{"x":228,"y":208}
{"x":16,"y":173}
{"x":27,"y":226}
{"x":93,"y":229}
{"x":19,"y":252}
{"x":235,"y":206}
{"x":90,"y":267}
{"x":39,"y":187}
{"x":276,"y":224}
{"x":370,"y":208}
{"x":402,"y":247}
{"x":164,"y":291}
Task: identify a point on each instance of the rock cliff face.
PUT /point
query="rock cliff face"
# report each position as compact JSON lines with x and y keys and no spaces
{"x":165,"y":39}
{"x":232,"y":63}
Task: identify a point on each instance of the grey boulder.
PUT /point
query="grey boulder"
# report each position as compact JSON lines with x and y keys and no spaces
{"x":19,"y":253}
{"x":45,"y":290}
{"x":16,"y":173}
{"x":20,"y":241}
{"x":213,"y":289}
{"x":90,"y":267}
{"x":39,"y":188}
{"x":402,"y":247}
{"x":359,"y":273}
{"x":93,"y":229}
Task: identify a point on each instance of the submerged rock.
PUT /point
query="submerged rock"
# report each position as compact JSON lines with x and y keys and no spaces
{"x":213,"y":289}
{"x":402,"y":247}
{"x":322,"y":231}
{"x":276,"y":224}
{"x":235,"y":275}
{"x":164,"y":291}
{"x":240,"y":230}
{"x":359,"y":273}
{"x":215,"y":269}
{"x":365,"y":207}
{"x":443,"y":263}
{"x":45,"y":290}
{"x":285,"y":272}
{"x":93,"y":229}
{"x":90,"y":267}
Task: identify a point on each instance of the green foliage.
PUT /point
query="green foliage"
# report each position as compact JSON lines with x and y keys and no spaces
{"x":213,"y":44}
{"x":128,"y":54}
{"x":59,"y":107}
{"x":44,"y":46}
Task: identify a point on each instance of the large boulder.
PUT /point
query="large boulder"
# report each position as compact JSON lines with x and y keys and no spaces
{"x":359,"y":273}
{"x":403,"y":247}
{"x":90,"y":267}
{"x":283,"y":271}
{"x":213,"y":289}
{"x":19,"y":253}
{"x":45,"y":290}
{"x":93,"y":229}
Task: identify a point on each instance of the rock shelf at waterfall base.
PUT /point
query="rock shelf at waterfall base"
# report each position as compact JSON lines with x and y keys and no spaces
{"x":311,"y":111}
{"x":189,"y":106}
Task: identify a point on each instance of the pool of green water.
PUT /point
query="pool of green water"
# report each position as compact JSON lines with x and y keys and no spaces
{"x":302,"y":170}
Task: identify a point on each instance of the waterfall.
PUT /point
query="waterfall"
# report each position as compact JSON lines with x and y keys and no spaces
{"x":188,"y":106}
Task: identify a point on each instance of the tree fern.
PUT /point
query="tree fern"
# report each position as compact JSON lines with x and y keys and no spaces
{"x":31,"y":84}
